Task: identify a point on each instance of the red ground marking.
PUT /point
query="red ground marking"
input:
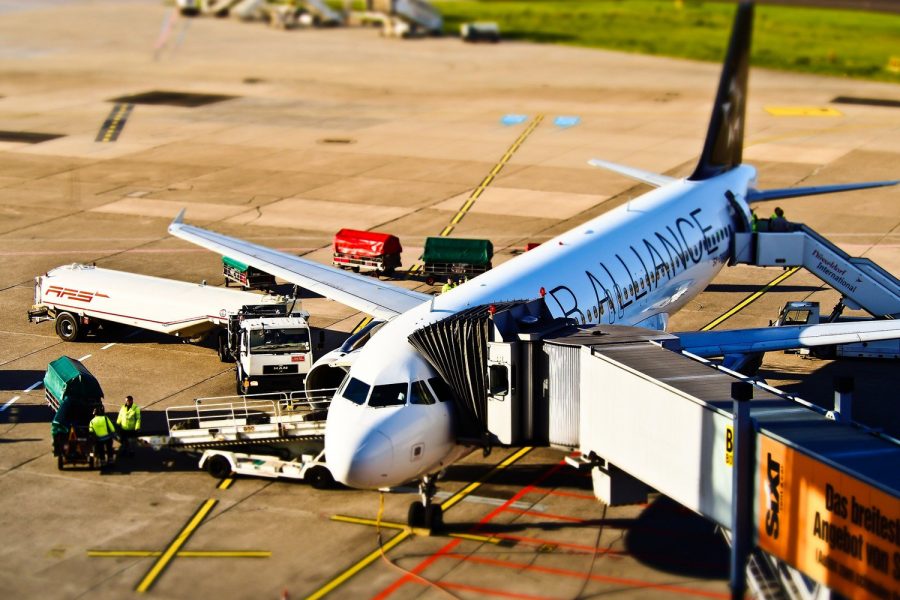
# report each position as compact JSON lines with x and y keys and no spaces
{"x":489,"y":592}
{"x":454,"y":543}
{"x":542,"y":542}
{"x":550,"y":492}
{"x":546,"y":515}
{"x":635,"y":583}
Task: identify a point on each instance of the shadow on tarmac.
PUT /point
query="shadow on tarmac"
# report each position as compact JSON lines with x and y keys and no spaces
{"x":18,"y":380}
{"x":665,"y":536}
{"x":874,"y":403}
{"x":750,"y":288}
{"x":28,"y":413}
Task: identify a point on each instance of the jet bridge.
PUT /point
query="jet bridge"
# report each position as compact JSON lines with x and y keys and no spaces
{"x":646,"y":416}
{"x":826,"y":493}
{"x":862,"y":283}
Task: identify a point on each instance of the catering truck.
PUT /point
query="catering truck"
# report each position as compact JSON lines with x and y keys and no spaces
{"x":267,"y":336}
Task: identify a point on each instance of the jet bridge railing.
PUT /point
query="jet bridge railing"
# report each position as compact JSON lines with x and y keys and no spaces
{"x":863,"y":283}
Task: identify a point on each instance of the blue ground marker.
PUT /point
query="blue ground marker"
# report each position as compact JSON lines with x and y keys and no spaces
{"x":565,"y":121}
{"x":513,"y":119}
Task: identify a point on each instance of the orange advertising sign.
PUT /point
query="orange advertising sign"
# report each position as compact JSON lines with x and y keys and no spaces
{"x":835,"y":528}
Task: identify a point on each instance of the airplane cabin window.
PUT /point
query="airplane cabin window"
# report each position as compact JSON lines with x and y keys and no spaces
{"x":441,"y":389}
{"x":391,"y":394}
{"x":420,"y":394}
{"x":356,"y":391}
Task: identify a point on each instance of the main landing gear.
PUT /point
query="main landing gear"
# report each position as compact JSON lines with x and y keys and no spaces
{"x":424,"y":513}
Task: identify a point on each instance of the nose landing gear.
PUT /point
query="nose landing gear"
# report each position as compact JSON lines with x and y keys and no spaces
{"x":425,"y":513}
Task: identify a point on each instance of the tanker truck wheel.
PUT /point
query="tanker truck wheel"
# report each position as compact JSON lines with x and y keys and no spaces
{"x":67,"y":327}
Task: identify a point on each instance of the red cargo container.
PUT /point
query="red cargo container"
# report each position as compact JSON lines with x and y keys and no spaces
{"x":366,"y":251}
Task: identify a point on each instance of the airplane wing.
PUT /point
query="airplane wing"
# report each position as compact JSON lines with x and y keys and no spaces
{"x":654,"y":179}
{"x":762,"y":195}
{"x":366,"y":294}
{"x":766,"y":339}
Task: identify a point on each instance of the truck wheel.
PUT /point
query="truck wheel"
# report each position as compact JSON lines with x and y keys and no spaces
{"x":320,"y":478}
{"x":429,"y":280}
{"x":218,"y":466}
{"x":224,"y":354}
{"x":67,"y":327}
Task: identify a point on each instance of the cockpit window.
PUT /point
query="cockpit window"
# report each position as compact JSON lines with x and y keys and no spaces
{"x":392,"y":394}
{"x":420,"y":394}
{"x":356,"y":391}
{"x":441,"y":389}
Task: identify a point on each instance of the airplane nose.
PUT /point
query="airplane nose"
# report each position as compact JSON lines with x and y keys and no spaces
{"x":366,"y":465}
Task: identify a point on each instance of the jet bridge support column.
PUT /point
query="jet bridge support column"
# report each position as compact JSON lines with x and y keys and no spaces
{"x":843,"y":399}
{"x":741,"y":488}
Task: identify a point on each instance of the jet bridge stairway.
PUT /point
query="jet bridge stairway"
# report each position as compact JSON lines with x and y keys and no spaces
{"x":861,"y":282}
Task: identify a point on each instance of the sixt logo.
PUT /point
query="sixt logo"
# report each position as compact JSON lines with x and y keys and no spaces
{"x":71,"y":294}
{"x":774,"y":489}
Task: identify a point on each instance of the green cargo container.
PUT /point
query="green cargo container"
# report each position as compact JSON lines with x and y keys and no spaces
{"x":249,"y":278}
{"x":72,"y":392}
{"x":458,"y":250}
{"x":456,"y":258}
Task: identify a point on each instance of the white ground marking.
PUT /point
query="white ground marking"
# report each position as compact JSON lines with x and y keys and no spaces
{"x":8,"y":404}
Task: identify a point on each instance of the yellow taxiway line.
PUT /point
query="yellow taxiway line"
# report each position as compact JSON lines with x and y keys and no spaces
{"x":476,"y":193}
{"x":166,"y":557}
{"x":406,"y":532}
{"x":749,"y":299}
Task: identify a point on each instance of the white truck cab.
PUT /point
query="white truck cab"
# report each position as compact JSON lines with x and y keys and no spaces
{"x":272,"y":347}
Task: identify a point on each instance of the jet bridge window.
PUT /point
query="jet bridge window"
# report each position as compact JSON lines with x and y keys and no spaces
{"x":392,"y":394}
{"x":356,"y":391}
{"x":279,"y":341}
{"x":420,"y":394}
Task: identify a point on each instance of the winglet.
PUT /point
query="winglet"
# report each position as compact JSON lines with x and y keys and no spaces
{"x":723,"y":149}
{"x":178,"y":220}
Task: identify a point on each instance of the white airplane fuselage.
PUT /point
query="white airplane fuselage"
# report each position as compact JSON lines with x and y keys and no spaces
{"x":634,"y":265}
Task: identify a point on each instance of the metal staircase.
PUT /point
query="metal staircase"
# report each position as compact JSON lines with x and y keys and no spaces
{"x":862,"y":283}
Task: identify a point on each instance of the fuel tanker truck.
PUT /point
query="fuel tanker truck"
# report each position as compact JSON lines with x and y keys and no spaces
{"x":267,"y":336}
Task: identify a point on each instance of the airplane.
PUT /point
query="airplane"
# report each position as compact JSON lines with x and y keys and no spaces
{"x":391,"y":420}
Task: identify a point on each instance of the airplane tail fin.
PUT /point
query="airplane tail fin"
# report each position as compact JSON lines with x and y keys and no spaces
{"x":723,"y":148}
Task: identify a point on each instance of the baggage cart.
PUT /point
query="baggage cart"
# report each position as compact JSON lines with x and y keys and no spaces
{"x":73,"y":393}
{"x":366,"y":251}
{"x":249,"y":278}
{"x":455,"y":257}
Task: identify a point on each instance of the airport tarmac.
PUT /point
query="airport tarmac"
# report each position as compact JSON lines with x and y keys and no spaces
{"x":323,"y":129}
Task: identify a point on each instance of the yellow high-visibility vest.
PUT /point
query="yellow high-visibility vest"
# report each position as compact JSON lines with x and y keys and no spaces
{"x":129,"y":418}
{"x":101,"y":426}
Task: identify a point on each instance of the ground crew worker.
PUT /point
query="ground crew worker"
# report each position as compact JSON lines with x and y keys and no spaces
{"x":129,"y":423}
{"x":777,"y":222}
{"x":448,"y":286}
{"x":754,"y":221}
{"x":103,"y":432}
